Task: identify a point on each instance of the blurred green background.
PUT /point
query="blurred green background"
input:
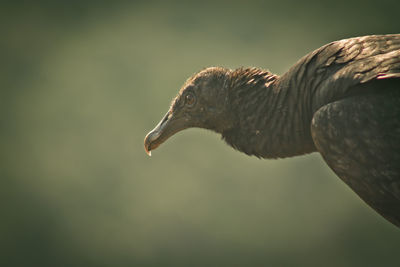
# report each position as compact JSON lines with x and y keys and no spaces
{"x":82,"y":82}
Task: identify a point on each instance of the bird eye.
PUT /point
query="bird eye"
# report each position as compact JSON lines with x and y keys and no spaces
{"x":190,"y":99}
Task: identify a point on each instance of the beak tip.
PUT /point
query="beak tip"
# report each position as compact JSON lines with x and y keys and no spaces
{"x":154,"y":138}
{"x":148,"y":152}
{"x":147,"y":147}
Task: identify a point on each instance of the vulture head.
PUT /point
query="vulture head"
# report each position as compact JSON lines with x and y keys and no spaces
{"x":202,"y":102}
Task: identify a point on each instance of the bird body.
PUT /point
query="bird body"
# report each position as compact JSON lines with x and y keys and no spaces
{"x":341,"y":100}
{"x":359,"y":138}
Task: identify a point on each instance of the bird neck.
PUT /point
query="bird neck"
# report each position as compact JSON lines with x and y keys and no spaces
{"x":268,"y":116}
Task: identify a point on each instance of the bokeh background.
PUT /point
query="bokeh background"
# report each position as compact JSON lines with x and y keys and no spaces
{"x":82,"y":82}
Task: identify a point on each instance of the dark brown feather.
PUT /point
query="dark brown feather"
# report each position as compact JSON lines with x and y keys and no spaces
{"x":342,"y":100}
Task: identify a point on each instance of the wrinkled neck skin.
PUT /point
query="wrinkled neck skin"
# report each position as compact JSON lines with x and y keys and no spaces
{"x":268,"y":117}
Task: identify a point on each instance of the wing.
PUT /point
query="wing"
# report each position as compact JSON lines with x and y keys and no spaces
{"x":332,"y":71}
{"x":359,"y":138}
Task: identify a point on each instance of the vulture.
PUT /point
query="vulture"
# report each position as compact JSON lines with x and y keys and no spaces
{"x":341,"y":100}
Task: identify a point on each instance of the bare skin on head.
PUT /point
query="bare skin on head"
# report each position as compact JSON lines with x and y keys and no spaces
{"x":200,"y":103}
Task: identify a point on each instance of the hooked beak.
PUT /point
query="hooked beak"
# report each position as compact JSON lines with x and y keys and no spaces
{"x":164,"y":129}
